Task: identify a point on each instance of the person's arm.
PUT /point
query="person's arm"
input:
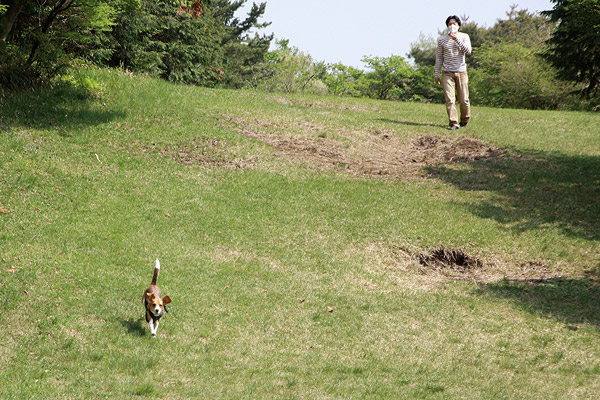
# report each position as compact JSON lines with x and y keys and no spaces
{"x":463,"y":42}
{"x":439,"y":58}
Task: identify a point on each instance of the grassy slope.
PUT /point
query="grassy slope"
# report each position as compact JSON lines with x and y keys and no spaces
{"x":252,"y":257}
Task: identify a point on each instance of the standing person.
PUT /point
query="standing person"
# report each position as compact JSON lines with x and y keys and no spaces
{"x":450,"y":59}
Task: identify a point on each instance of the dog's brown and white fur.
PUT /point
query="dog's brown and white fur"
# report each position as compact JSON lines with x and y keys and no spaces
{"x":153,"y":303}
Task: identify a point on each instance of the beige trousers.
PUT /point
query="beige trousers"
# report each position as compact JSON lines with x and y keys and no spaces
{"x":457,"y":83}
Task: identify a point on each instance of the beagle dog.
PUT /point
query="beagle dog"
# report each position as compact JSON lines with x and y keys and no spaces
{"x":153,"y":303}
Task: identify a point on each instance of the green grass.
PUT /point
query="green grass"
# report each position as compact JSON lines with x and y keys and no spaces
{"x":255,"y":246}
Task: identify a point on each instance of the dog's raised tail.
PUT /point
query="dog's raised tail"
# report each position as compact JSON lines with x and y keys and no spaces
{"x":156,"y":271}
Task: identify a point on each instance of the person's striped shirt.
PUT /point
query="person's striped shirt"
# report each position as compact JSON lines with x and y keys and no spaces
{"x":450,"y":55}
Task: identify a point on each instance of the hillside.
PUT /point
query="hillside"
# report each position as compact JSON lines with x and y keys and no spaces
{"x":314,"y":247}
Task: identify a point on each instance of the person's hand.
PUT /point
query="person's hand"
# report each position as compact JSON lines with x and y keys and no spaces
{"x":438,"y":81}
{"x":454,"y":35}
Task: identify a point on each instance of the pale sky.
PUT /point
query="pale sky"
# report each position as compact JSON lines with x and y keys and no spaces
{"x":345,"y":31}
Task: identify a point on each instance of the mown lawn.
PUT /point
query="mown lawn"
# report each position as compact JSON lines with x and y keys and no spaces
{"x":290,"y":229}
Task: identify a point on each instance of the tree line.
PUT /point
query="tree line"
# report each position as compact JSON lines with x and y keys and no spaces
{"x":197,"y":42}
{"x":525,"y":60}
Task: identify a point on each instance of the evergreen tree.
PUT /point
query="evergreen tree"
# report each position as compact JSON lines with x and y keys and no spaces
{"x":243,"y":53}
{"x":196,"y":42}
{"x":574,"y":48}
{"x":173,"y":41}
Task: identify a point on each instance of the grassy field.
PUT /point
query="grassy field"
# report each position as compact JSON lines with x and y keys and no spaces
{"x":303,"y":241}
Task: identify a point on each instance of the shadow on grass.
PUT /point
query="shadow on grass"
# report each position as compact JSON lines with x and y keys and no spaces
{"x":572,"y":301}
{"x":409,"y":123}
{"x":134,"y":327}
{"x":64,"y":108}
{"x":533,"y":190}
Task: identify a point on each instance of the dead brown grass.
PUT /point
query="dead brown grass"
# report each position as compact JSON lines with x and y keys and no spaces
{"x":322,"y":104}
{"x":206,"y":153}
{"x":373,"y":152}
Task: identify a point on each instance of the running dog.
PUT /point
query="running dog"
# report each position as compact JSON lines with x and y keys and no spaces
{"x":154,"y":304}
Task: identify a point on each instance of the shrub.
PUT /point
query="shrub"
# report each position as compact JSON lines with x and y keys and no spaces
{"x":512,"y":75}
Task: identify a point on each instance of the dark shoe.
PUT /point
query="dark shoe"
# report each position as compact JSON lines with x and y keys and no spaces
{"x":463,"y":124}
{"x":453,"y":127}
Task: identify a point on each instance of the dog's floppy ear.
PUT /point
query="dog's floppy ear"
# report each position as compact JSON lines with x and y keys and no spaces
{"x":166,"y":300}
{"x":149,"y":296}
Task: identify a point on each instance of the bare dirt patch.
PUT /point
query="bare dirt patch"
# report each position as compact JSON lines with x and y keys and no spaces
{"x":444,"y":258}
{"x":449,"y":262}
{"x":435,"y":150}
{"x":457,"y":264}
{"x":363,"y":153}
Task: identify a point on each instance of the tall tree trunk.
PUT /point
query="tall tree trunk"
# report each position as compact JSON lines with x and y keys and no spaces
{"x":14,"y":8}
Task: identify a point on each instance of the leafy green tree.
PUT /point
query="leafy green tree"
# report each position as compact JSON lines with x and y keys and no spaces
{"x":421,"y":86}
{"x":574,"y":48}
{"x":521,"y":26}
{"x":508,"y":70}
{"x":37,"y":38}
{"x":58,"y":25}
{"x":387,"y":78}
{"x":423,"y":50}
{"x":513,"y":75}
{"x":342,"y":80}
{"x":294,"y":71}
